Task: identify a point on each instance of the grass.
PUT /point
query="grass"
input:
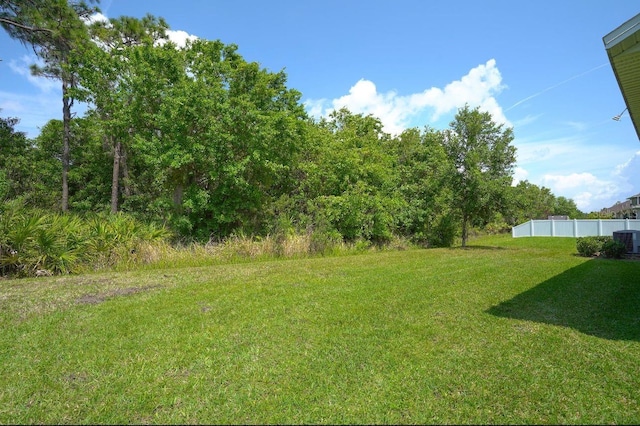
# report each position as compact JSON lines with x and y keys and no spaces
{"x":506,"y":331}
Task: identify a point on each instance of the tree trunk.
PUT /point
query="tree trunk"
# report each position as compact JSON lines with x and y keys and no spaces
{"x":177,"y":197}
{"x":66,"y":136}
{"x":115,"y":177}
{"x":126,"y":183}
{"x":465,"y":225}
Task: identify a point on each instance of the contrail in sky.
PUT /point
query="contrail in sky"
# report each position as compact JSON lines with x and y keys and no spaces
{"x":554,"y":86}
{"x":105,"y":7}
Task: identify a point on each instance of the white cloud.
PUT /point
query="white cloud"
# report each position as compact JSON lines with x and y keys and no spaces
{"x":96,"y":17}
{"x":315,"y":107}
{"x":526,"y":120}
{"x":627,"y":174}
{"x":32,"y":107}
{"x":33,"y":110}
{"x":180,"y":37}
{"x":22,"y":67}
{"x":477,"y":89}
{"x":532,"y":151}
{"x":577,"y":126}
{"x":585,"y":189}
{"x":575,"y":153}
{"x":519,"y":175}
{"x":572,"y":181}
{"x":629,"y":170}
{"x":590,"y":192}
{"x":10,"y":106}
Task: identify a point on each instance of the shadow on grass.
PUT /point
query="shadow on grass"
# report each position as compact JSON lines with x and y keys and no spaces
{"x":475,"y":247}
{"x":599,"y":298}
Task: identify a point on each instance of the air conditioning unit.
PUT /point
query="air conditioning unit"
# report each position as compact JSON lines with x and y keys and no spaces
{"x":630,"y":238}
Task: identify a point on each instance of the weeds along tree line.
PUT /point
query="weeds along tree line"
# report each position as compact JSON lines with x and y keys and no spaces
{"x":203,"y":144}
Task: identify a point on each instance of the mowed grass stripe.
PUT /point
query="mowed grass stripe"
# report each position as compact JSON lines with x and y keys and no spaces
{"x":507,"y":331}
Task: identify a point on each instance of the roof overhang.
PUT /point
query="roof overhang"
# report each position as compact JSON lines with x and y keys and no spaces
{"x":623,"y":49}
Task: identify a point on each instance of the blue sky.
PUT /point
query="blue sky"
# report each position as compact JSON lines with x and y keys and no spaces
{"x":537,"y":66}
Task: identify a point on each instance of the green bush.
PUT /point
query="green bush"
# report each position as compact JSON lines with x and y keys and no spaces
{"x":591,"y":246}
{"x":613,"y":249}
{"x":37,"y":242}
{"x":324,"y":241}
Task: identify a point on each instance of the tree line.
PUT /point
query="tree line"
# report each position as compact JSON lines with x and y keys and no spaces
{"x":208,"y":144}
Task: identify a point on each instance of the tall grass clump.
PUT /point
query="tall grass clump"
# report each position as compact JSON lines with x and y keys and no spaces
{"x":34,"y":242}
{"x":113,"y":240}
{"x":241,"y":248}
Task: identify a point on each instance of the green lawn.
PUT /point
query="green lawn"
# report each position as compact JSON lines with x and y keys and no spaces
{"x":506,"y":331}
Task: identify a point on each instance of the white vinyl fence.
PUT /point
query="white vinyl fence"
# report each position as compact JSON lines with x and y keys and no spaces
{"x":574,"y":228}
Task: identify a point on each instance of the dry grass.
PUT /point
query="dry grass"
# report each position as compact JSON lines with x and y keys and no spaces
{"x":161,"y":254}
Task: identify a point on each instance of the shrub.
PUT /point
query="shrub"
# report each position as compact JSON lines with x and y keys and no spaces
{"x":613,"y":249}
{"x":324,"y":241}
{"x":36,"y":242}
{"x":443,"y":231}
{"x":591,"y":246}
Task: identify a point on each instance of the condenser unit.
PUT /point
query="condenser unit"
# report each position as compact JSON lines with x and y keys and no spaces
{"x":630,"y":238}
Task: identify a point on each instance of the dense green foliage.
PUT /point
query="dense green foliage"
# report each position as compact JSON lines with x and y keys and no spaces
{"x":528,"y":201}
{"x":201,"y":141}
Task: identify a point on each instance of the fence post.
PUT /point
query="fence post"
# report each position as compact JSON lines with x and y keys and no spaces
{"x":599,"y":227}
{"x":531,"y":227}
{"x":626,"y":224}
{"x":575,"y":227}
{"x":553,"y":228}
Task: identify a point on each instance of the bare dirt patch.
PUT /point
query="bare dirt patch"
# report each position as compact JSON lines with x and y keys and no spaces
{"x":94,"y":299}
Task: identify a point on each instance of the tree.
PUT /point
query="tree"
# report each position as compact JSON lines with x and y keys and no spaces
{"x":423,"y":169}
{"x":228,"y":133}
{"x":483,"y":160}
{"x":205,"y":139}
{"x":89,"y":176}
{"x":117,"y":78}
{"x":25,"y":20}
{"x":566,"y":207}
{"x":528,"y":201}
{"x":14,"y":164}
{"x":54,"y":28}
{"x":347,"y":179}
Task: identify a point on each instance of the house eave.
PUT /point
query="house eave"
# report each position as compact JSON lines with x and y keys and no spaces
{"x":623,"y":49}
